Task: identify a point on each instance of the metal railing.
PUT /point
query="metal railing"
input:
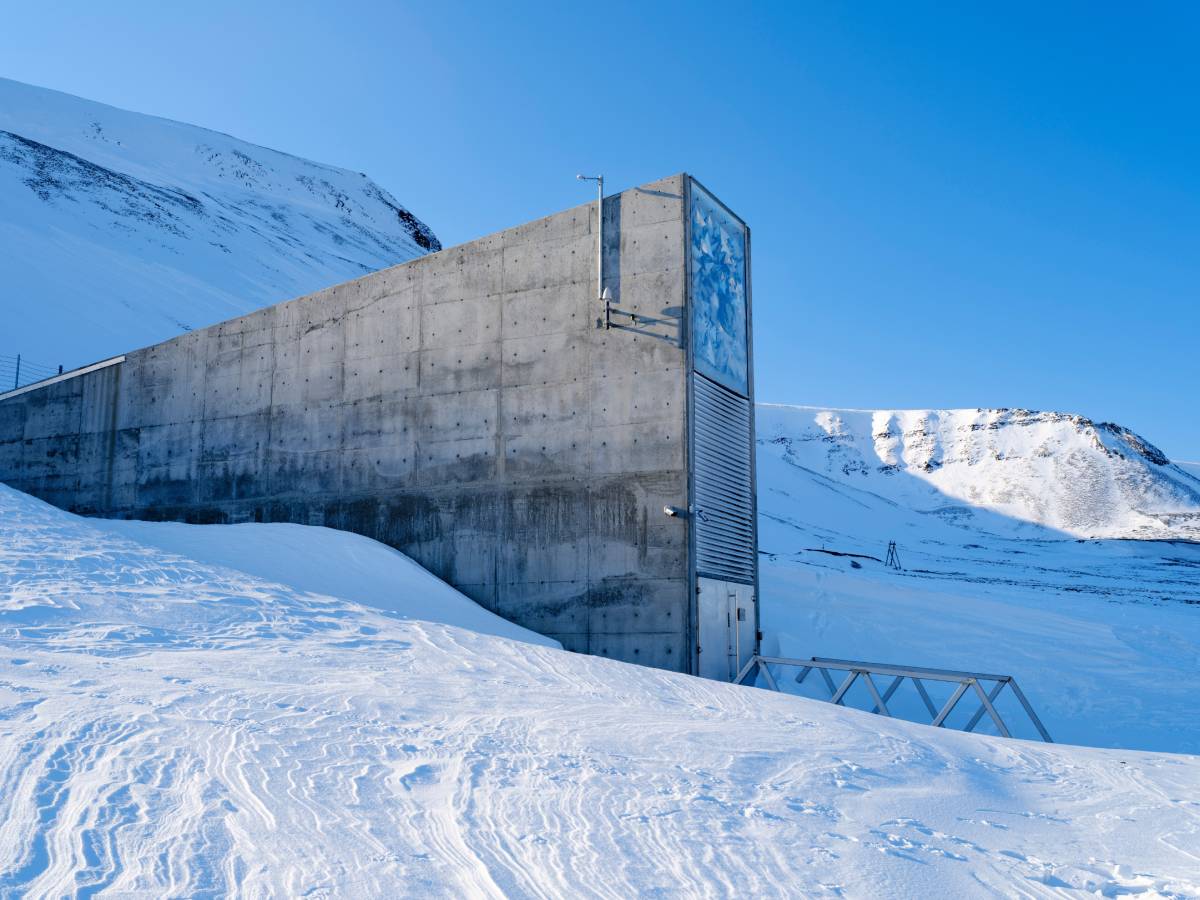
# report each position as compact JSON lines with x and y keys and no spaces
{"x":17,"y":371}
{"x":856,"y":671}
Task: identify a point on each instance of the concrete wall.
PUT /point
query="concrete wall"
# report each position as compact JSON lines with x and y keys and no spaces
{"x":464,"y":408}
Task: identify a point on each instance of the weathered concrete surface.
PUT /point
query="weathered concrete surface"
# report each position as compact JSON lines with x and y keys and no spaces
{"x":464,"y":408}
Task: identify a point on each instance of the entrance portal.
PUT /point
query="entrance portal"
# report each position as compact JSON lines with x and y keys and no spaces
{"x":727,"y":620}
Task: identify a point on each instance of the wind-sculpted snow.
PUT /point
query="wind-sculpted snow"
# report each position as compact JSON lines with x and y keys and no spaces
{"x":1104,"y":635}
{"x":119,"y":230}
{"x":175,"y":727}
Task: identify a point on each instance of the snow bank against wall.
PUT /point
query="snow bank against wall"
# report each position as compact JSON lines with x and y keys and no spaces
{"x":279,"y":562}
{"x":171,"y":725}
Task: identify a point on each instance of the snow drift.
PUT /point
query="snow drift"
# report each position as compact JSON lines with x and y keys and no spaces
{"x":119,"y":230}
{"x":176,"y":727}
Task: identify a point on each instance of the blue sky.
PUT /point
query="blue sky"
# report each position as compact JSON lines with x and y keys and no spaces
{"x":949,"y":208}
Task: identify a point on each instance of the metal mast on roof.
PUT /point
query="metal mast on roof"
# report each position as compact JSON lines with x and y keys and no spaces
{"x":601,"y":294}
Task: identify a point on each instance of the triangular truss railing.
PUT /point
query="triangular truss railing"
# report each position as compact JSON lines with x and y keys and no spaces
{"x":856,"y":671}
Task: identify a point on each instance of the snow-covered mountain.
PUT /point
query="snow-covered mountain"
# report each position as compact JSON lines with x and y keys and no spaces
{"x":984,"y":506}
{"x":1064,"y":472}
{"x":119,"y":229}
{"x":186,"y":711}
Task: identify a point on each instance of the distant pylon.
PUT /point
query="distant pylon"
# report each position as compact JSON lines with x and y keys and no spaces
{"x":893,"y":558}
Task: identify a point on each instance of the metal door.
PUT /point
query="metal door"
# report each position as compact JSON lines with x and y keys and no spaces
{"x":726,"y":627}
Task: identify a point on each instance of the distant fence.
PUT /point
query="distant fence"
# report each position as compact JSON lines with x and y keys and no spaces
{"x":17,"y":371}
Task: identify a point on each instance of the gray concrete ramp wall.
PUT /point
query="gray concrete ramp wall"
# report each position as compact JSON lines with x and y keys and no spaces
{"x":464,"y":408}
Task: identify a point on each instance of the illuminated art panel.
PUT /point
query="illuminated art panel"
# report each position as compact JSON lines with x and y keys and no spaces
{"x":718,"y":276}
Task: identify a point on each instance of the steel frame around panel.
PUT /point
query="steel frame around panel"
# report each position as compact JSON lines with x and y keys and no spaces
{"x":693,"y":585}
{"x":688,"y":181}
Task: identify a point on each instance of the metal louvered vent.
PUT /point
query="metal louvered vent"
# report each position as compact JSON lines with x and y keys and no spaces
{"x":724,"y":492}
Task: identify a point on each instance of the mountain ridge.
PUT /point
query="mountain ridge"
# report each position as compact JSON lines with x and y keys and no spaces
{"x":122,"y":229}
{"x":1059,"y":471}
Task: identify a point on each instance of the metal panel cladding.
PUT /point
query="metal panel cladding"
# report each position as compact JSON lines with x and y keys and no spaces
{"x":724,"y":485}
{"x":718,"y":289}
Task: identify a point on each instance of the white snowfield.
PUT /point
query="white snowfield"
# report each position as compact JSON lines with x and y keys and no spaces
{"x":119,"y":230}
{"x":989,"y":509}
{"x":181,"y":716}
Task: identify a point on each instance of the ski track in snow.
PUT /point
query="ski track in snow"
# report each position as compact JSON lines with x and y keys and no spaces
{"x":171,"y":727}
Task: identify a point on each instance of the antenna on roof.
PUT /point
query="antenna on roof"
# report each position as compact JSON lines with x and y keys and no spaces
{"x":601,"y":294}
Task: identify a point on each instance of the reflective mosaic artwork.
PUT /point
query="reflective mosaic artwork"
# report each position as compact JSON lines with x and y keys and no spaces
{"x":718,"y":273}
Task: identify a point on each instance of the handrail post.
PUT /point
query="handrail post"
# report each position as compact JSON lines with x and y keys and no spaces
{"x":880,"y":705}
{"x":991,"y":709}
{"x":766,"y":670}
{"x":925,"y":697}
{"x":750,"y":664}
{"x":841,"y":692}
{"x":950,"y":704}
{"x":992,"y":695}
{"x":1033,"y":717}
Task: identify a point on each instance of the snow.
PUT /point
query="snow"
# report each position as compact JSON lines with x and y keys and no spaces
{"x":325,"y":561}
{"x":1060,"y":471}
{"x":134,"y":229}
{"x":1103,"y":634}
{"x":174,"y":725}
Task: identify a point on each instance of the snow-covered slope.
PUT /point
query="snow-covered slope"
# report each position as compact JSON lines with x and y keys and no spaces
{"x":174,"y":727}
{"x":1065,"y":472}
{"x":1103,"y":634}
{"x":119,"y":229}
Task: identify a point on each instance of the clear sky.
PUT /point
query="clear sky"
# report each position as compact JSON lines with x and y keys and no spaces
{"x":949,"y":208}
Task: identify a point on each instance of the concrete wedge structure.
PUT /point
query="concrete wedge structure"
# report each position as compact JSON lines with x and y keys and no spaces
{"x":588,"y":476}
